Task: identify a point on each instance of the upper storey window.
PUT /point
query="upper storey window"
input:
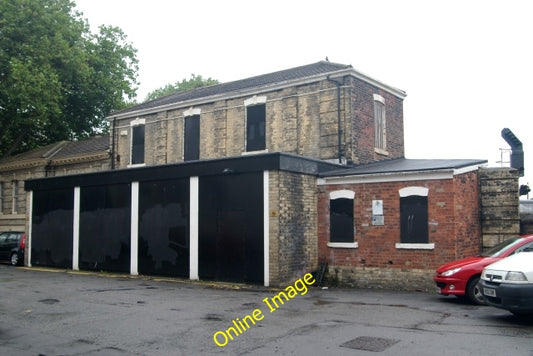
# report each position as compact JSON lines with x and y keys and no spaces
{"x":191,"y":139}
{"x":137,"y":141}
{"x":255,"y":124}
{"x":380,"y":124}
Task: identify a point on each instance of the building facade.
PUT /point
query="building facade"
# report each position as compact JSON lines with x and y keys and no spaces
{"x":391,"y":224}
{"x":260,"y":181}
{"x":325,"y":111}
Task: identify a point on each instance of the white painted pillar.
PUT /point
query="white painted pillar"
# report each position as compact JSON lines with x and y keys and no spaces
{"x":193,"y":228}
{"x":134,"y":227}
{"x":29,"y":233}
{"x":76,"y":231}
{"x":266,"y":229}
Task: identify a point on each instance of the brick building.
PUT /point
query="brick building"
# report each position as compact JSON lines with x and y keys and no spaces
{"x":259,"y":181}
{"x":325,"y":111}
{"x":391,"y":224}
{"x":57,"y":159}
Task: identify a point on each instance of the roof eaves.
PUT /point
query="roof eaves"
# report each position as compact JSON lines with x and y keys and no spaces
{"x":383,"y":177}
{"x":337,"y":177}
{"x":229,"y":95}
{"x":253,"y":90}
{"x":366,"y":78}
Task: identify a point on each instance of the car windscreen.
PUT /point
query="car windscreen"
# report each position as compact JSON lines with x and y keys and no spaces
{"x":500,"y":248}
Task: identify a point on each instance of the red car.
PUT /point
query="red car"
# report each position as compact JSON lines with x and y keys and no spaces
{"x":461,"y":277}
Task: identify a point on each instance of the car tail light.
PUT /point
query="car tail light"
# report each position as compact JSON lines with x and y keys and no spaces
{"x":23,"y":242}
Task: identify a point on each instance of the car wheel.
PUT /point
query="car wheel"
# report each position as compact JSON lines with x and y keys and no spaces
{"x":14,"y":259}
{"x":473,"y":291}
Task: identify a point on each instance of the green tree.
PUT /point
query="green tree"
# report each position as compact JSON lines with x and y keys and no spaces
{"x":58,"y":81}
{"x":196,"y":81}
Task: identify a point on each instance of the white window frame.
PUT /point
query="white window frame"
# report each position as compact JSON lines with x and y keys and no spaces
{"x":1,"y":198}
{"x":14,"y":196}
{"x":380,"y":127}
{"x":346,"y":194}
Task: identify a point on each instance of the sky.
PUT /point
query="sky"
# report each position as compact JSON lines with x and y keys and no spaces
{"x":466,"y":65}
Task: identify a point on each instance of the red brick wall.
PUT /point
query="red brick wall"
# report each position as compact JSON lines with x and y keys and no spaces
{"x":453,"y":219}
{"x":362,"y":102}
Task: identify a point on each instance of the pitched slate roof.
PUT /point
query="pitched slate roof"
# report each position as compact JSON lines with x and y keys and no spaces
{"x":405,"y":165}
{"x":318,"y":69}
{"x":309,"y":70}
{"x":59,"y":150}
{"x":96,"y":144}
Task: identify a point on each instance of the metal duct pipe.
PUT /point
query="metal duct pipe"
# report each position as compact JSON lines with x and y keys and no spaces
{"x":517,"y":152}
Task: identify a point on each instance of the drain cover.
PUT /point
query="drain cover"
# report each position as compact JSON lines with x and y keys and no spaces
{"x":368,"y":343}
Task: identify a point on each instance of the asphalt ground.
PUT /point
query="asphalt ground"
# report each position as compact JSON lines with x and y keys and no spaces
{"x":57,"y":312}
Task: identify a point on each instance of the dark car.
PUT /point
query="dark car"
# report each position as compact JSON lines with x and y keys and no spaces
{"x":461,"y":277}
{"x":12,"y":244}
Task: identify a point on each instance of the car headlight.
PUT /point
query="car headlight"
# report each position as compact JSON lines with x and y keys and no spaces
{"x":515,"y":276}
{"x":451,"y":272}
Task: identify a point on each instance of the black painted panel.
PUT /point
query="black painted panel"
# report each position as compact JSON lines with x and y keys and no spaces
{"x":164,"y":227}
{"x":246,"y":164}
{"x":52,"y":221}
{"x":255,"y":128}
{"x":231,"y":227}
{"x":105,"y":228}
{"x":191,"y":145}
{"x":414,"y":219}
{"x":341,"y":220}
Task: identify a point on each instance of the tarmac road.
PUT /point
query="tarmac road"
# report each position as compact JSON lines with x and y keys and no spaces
{"x":53,"y":312}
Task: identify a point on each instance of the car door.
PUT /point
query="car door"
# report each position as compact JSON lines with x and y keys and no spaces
{"x":3,"y":246}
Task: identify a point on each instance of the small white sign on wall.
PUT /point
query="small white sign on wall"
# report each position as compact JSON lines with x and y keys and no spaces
{"x":377,"y":207}
{"x":378,"y":220}
{"x":377,"y":213}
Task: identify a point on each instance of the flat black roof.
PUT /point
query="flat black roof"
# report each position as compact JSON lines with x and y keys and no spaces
{"x":232,"y":165}
{"x":404,"y":165}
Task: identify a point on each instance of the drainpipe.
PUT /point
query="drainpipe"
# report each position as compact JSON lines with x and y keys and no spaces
{"x":113,"y":144}
{"x":339,"y":130}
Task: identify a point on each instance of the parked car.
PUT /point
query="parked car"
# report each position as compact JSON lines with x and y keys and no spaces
{"x":12,"y":245}
{"x":461,"y":277}
{"x":508,"y":283}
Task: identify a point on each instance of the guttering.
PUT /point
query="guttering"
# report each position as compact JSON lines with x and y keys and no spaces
{"x":436,"y":174}
{"x":261,"y":89}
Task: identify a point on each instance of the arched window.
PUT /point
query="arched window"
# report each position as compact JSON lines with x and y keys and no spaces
{"x":341,"y":217}
{"x":414,"y":215}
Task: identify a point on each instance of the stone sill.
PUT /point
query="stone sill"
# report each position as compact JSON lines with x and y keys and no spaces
{"x":343,"y":244}
{"x":415,"y":246}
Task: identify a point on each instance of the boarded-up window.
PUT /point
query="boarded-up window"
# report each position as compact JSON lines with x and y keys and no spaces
{"x":414,"y":219}
{"x":137,"y":144}
{"x":192,"y":138}
{"x":255,"y":128}
{"x":341,"y":220}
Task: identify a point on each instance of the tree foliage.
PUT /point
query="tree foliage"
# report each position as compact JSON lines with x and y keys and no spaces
{"x":196,"y":81}
{"x":58,"y":81}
